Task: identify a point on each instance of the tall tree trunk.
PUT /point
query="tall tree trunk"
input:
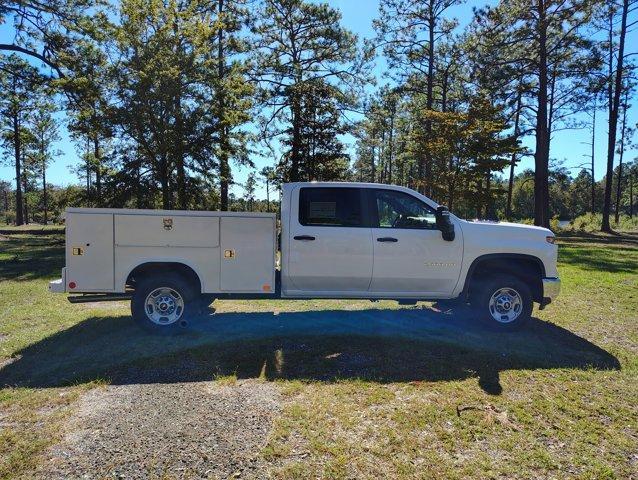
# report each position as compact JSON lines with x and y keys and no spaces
{"x":312,"y":147}
{"x":138,"y":186}
{"x":382,"y":158}
{"x":391,"y":145}
{"x":166,"y":193}
{"x":180,"y":167}
{"x":267,"y":195}
{"x":411,"y":177}
{"x":178,"y":151}
{"x":621,"y":153}
{"x":425,"y":174}
{"x":17,"y":152}
{"x":450,"y":195}
{"x":88,"y":171}
{"x":296,"y":139}
{"x":631,"y":194}
{"x":488,"y":197}
{"x":541,"y":154}
{"x":98,"y":170}
{"x":373,"y":173}
{"x":510,"y":186}
{"x":613,"y":119}
{"x":451,"y":183}
{"x":224,"y":166}
{"x":593,"y":155}
{"x":26,"y":200}
{"x":478,"y":203}
{"x":44,"y":181}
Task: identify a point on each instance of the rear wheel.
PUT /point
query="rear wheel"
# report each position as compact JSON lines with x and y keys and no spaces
{"x":504,"y":302}
{"x":162,"y":303}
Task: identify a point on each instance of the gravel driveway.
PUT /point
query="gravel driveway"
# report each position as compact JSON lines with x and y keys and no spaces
{"x":183,"y":430}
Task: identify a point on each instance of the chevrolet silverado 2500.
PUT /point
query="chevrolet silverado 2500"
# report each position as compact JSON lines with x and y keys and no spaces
{"x":338,"y":240}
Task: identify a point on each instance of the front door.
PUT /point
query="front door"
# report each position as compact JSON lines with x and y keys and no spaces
{"x":330,"y":246}
{"x":410,"y":256}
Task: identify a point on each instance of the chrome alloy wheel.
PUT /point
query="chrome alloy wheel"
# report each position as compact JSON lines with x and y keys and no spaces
{"x":164,"y":306}
{"x":506,"y":304}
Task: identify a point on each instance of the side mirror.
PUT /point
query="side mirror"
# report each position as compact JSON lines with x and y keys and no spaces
{"x":444,"y":223}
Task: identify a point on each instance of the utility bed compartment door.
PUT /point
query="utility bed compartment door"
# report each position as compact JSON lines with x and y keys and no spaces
{"x":166,"y":231}
{"x":89,"y":252}
{"x":247,"y":254}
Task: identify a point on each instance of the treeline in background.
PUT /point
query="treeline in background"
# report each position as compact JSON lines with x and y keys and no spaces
{"x":166,"y":99}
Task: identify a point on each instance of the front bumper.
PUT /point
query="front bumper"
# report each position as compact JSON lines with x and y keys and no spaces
{"x":551,"y":289}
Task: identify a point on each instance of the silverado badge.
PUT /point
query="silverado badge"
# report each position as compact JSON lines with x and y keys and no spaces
{"x":439,"y":264}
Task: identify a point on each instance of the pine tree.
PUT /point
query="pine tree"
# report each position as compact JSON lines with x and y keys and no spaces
{"x":408,"y":34}
{"x":18,"y":80}
{"x":41,"y":151}
{"x":231,"y":89}
{"x":298,"y":45}
{"x":545,"y":43}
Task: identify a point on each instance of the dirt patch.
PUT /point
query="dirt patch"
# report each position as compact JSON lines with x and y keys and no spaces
{"x":183,"y":430}
{"x":8,"y":361}
{"x":120,"y":305}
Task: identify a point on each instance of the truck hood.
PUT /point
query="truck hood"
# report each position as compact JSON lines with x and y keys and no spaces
{"x":506,"y":228}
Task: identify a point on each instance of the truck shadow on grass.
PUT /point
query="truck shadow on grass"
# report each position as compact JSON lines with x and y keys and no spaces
{"x":416,"y":344}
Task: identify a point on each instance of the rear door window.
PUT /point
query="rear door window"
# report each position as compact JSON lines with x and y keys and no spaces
{"x":330,"y":207}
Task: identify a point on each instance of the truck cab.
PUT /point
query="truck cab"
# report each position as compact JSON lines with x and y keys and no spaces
{"x":337,"y":240}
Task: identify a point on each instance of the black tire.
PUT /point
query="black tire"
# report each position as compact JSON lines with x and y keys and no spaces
{"x":172,"y":287}
{"x":508,"y":291}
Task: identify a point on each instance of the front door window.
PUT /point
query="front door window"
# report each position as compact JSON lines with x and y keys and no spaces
{"x":400,"y":210}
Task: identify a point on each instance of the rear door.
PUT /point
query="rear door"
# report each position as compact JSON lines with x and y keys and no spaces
{"x":330,"y":245}
{"x":248,"y":254}
{"x":89,"y":251}
{"x":410,"y":256}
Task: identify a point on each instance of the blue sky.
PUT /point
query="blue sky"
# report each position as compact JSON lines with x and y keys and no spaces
{"x":569,"y":146}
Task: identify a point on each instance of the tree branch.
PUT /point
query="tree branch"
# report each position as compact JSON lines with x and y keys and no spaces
{"x":16,"y":48}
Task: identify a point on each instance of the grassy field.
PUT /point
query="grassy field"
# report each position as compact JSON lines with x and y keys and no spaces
{"x":371,"y":389}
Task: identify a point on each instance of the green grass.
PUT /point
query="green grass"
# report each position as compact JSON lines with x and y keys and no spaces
{"x":32,"y":229}
{"x":371,"y":389}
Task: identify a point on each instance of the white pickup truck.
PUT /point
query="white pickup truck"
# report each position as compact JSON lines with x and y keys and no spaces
{"x":338,"y":240}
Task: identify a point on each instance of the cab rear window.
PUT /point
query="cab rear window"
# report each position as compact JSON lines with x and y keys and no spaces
{"x":330,"y":207}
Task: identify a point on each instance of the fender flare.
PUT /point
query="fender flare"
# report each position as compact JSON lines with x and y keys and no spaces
{"x":498,"y":256}
{"x":122,"y":286}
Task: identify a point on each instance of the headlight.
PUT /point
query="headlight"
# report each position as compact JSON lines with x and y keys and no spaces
{"x":550,"y":239}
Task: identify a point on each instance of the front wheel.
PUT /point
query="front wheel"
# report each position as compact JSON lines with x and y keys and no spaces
{"x":162,"y":303}
{"x":504,"y":302}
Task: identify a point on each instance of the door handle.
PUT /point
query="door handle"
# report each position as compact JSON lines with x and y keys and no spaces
{"x":304,"y":237}
{"x":387,"y":239}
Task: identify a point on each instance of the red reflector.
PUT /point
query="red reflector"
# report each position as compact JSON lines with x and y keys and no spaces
{"x":72,"y":285}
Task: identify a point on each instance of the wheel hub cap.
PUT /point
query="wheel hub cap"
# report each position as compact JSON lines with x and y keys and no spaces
{"x":506,"y":305}
{"x":164,"y":306}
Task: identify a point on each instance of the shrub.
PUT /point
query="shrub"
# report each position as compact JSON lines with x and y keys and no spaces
{"x":627,"y":224}
{"x":589,"y":222}
{"x":592,"y":222}
{"x":525,"y":221}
